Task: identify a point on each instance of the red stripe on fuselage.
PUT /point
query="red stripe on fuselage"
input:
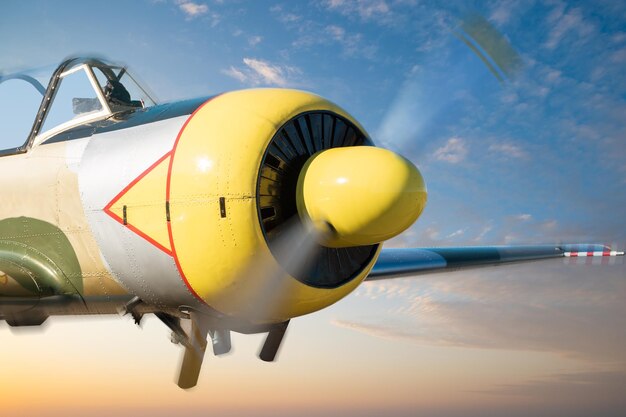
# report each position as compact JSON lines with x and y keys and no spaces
{"x":167,"y":197}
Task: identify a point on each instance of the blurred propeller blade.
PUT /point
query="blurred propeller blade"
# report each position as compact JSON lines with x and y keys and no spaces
{"x":419,"y":100}
{"x":294,"y":247}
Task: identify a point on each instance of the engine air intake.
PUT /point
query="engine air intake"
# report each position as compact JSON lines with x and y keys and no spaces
{"x":292,"y":145}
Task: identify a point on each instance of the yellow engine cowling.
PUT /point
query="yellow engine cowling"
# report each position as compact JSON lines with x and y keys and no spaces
{"x":231,"y":191}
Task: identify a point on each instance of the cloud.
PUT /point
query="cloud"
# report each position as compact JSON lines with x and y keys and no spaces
{"x":619,"y":56}
{"x":548,"y":226}
{"x":503,"y":10}
{"x":236,"y":74}
{"x":456,"y":233}
{"x":453,"y":152}
{"x":553,"y":76}
{"x":619,"y":37}
{"x":562,"y":23}
{"x":336,"y":32}
{"x":352,"y":44}
{"x":431,"y":234}
{"x":192,"y":9}
{"x":268,"y":73}
{"x":260,"y":72}
{"x":285,"y":17}
{"x":383,"y":332}
{"x":379,"y":289}
{"x":501,"y":13}
{"x":526,"y":228}
{"x":573,"y":311}
{"x":366,"y":9}
{"x":508,"y":150}
{"x":254,"y":40}
{"x":598,"y":392}
{"x":483,"y":232}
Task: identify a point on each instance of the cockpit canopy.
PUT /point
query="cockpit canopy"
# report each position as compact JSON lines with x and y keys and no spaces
{"x":80,"y":90}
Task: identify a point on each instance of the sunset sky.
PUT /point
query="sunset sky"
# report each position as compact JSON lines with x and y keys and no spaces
{"x":537,"y":157}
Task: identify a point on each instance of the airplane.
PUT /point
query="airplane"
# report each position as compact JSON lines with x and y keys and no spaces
{"x":228,"y":213}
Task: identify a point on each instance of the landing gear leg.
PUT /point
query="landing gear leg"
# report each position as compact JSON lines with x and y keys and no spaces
{"x":273,"y":342}
{"x":194,"y":352}
{"x":221,"y":341}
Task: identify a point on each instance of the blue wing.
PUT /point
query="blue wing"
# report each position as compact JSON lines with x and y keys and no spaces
{"x":398,"y":262}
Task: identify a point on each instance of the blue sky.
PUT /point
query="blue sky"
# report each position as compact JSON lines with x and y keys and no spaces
{"x":538,"y":158}
{"x":532,"y":159}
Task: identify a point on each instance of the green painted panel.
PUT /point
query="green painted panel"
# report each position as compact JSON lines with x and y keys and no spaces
{"x":39,"y":257}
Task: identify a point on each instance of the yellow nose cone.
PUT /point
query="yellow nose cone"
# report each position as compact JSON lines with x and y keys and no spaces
{"x":359,"y":195}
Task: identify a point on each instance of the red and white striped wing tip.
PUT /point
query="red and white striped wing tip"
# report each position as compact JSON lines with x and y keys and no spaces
{"x":582,"y":254}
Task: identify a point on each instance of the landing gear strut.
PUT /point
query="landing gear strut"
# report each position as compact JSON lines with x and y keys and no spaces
{"x":193,"y":334}
{"x":272,"y":343}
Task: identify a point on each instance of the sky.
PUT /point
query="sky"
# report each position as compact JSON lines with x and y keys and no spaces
{"x":536,"y":157}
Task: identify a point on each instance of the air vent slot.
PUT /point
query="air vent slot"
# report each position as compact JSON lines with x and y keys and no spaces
{"x":267,"y":212}
{"x":272,"y":161}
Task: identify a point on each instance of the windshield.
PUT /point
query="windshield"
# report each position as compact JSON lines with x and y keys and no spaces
{"x":89,"y":92}
{"x":20,"y":96}
{"x":120,"y":88}
{"x":77,"y":100}
{"x":81,"y":91}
